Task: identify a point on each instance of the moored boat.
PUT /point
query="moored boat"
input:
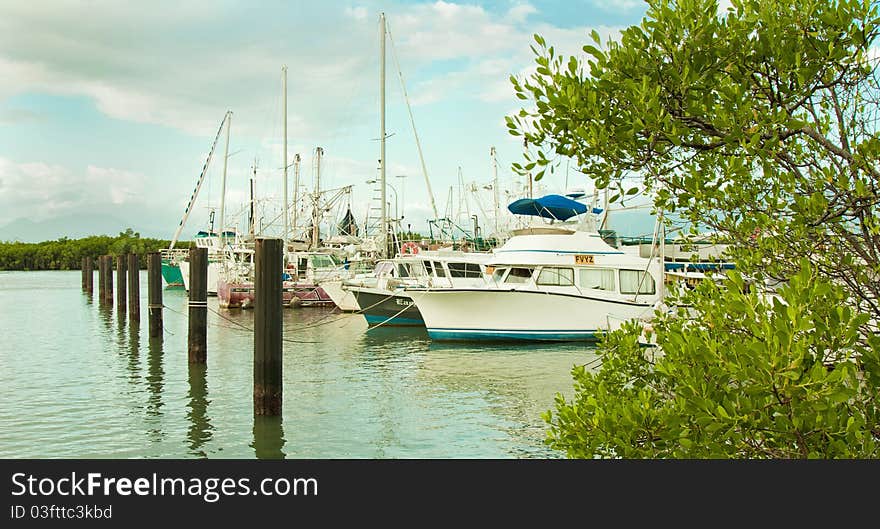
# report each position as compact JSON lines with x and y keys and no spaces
{"x":382,"y":299}
{"x":549,"y":283}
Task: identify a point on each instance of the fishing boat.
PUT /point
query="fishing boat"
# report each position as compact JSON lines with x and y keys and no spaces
{"x":382,"y":299}
{"x":216,"y":254}
{"x":549,"y":282}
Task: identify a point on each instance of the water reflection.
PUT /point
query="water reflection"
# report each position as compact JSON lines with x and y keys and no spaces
{"x":105,"y":314}
{"x":519,"y":382}
{"x":268,"y":437}
{"x":155,"y":376}
{"x":200,"y":429}
{"x":134,"y":345}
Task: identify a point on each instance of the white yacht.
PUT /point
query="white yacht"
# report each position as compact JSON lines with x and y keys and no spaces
{"x":381,"y":297}
{"x":556,"y":282}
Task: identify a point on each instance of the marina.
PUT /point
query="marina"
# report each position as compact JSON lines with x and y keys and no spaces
{"x":81,"y":382}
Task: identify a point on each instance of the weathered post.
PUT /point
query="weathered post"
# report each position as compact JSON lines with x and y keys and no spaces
{"x":102,"y":279}
{"x":198,"y":305}
{"x":89,"y":275}
{"x":267,"y":327}
{"x":82,"y":268}
{"x":134,"y":289}
{"x":154,"y":293}
{"x":121,"y":279}
{"x":108,"y":267}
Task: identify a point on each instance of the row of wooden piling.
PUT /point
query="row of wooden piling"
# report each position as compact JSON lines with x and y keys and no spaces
{"x":268,"y":336}
{"x":129,"y":288}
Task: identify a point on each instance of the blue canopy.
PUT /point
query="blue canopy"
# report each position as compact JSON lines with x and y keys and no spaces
{"x":549,"y":206}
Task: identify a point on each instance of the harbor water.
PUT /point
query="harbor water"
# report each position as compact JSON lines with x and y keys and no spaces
{"x":78,"y":381}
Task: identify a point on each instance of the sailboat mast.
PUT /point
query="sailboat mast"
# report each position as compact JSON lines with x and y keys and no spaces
{"x":382,"y":133}
{"x":495,"y":185}
{"x":295,"y":188}
{"x":284,"y":157}
{"x":251,"y":217}
{"x":316,"y":212}
{"x":223,"y":180}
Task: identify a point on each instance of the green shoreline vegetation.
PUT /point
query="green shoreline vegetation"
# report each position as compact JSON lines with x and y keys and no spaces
{"x":67,"y":254}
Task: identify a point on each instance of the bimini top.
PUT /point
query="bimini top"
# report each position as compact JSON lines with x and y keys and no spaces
{"x":555,"y":207}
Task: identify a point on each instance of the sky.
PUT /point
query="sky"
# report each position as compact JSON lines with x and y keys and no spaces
{"x":111,"y":107}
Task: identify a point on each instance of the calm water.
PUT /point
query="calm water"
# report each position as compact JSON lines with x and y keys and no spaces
{"x":78,"y":382}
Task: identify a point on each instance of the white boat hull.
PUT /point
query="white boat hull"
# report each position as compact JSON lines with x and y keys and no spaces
{"x":343,"y":298}
{"x":520,"y":314}
{"x":213,"y":275}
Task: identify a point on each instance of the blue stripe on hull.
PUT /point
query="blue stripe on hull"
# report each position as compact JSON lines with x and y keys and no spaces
{"x":376,"y":320}
{"x":500,"y":335}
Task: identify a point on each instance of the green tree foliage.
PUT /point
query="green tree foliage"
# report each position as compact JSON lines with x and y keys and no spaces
{"x":759,"y":122}
{"x":67,"y":254}
{"x":740,"y":375}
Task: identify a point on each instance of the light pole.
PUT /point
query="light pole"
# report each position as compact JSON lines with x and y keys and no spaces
{"x":402,"y":193}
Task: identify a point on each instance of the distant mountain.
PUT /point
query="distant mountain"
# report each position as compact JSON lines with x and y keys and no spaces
{"x":72,"y":227}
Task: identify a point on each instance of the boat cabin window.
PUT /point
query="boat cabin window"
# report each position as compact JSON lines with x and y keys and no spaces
{"x":428,"y":267}
{"x":636,"y":282}
{"x":323,"y":261}
{"x":596,"y":278}
{"x":464,"y":269}
{"x":417,"y":269}
{"x":497,"y":274}
{"x":519,"y":275}
{"x":302,"y":263}
{"x":402,"y":270}
{"x":439,"y":270}
{"x":563,"y":277}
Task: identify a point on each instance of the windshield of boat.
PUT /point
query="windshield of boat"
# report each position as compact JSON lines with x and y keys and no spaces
{"x":519,"y":275}
{"x":383,"y":268}
{"x":464,"y":269}
{"x":324,"y":261}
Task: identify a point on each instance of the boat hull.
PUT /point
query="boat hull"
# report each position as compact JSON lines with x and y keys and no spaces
{"x":213,"y":276}
{"x":309,"y":294}
{"x":521,"y":315}
{"x":342,"y":297}
{"x":380,"y":307}
{"x":240,"y":295}
{"x":171,"y":274}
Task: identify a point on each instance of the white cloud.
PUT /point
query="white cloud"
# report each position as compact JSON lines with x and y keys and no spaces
{"x":520,"y":12}
{"x":37,"y":190}
{"x":183,"y":66}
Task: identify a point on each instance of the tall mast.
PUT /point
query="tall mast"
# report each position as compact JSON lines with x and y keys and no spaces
{"x":382,"y":133}
{"x":251,"y":217}
{"x":316,"y":212}
{"x":223,"y":184}
{"x":295,"y":188}
{"x":284,"y":158}
{"x":495,"y":185}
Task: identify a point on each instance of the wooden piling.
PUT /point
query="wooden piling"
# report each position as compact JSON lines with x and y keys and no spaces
{"x":198,"y":304}
{"x":102,"y":279}
{"x":121,"y":282}
{"x":154,"y":293}
{"x":108,"y":271}
{"x":82,"y":268}
{"x":134,"y":289}
{"x":89,"y":275}
{"x":268,"y":335}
